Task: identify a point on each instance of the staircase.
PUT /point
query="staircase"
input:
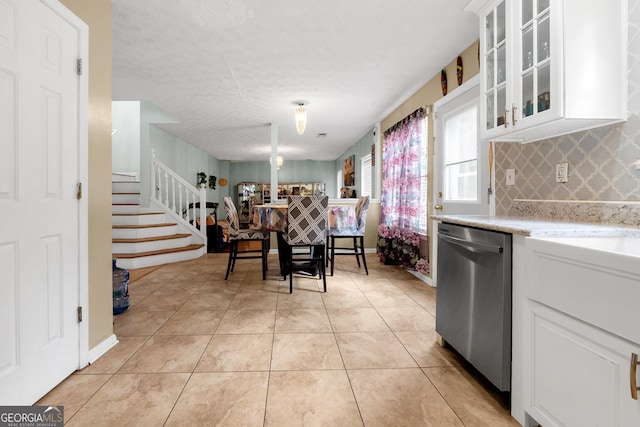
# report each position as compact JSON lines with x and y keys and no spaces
{"x":144,"y":237}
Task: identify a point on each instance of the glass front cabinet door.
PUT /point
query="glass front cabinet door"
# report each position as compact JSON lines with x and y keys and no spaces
{"x":550,"y":67}
{"x":495,"y":58}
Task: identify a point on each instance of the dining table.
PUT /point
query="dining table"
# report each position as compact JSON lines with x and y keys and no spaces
{"x":341,"y":219}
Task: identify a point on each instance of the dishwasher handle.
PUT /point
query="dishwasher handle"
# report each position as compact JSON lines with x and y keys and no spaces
{"x":471,"y":246}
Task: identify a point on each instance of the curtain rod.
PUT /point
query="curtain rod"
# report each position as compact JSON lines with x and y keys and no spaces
{"x":417,"y":113}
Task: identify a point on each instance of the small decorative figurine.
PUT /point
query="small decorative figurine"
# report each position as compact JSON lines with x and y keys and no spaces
{"x":459,"y":69}
{"x":443,"y":82}
{"x":202,"y":179}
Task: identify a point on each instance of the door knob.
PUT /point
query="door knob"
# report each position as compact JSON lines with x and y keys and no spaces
{"x":438,"y":207}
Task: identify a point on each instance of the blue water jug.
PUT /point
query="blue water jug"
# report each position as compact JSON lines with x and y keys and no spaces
{"x":121,"y":300}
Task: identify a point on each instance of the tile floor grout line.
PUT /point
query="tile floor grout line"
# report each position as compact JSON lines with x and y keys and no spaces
{"x":173,"y":407}
{"x":247,"y":282}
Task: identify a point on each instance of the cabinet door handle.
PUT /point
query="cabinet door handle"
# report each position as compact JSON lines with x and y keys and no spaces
{"x":634,"y":371}
{"x":504,"y":117}
{"x":513,"y":114}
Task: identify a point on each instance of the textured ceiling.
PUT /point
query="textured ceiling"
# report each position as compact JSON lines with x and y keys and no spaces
{"x":226,"y":69}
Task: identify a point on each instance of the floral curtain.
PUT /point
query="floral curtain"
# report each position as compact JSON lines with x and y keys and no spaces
{"x":403,"y":198}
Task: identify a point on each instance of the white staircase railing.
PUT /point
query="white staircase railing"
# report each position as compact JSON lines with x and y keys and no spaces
{"x":174,"y":194}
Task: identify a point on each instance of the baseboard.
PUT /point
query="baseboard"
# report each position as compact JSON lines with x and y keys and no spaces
{"x":98,"y":351}
{"x":424,"y":278}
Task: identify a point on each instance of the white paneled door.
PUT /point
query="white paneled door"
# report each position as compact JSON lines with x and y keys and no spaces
{"x":39,"y":210}
{"x":461,"y":159}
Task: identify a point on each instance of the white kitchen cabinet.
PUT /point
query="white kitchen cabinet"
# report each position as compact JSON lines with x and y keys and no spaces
{"x":580,"y":332}
{"x":579,"y":375}
{"x":550,"y":67}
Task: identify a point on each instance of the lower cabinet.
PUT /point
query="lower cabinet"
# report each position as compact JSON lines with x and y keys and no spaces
{"x":579,"y":375}
{"x":581,"y":328}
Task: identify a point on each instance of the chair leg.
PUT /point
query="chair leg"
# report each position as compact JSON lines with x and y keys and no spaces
{"x":324,"y":272}
{"x":355,"y":248}
{"x":333,"y":253}
{"x":320,"y":251}
{"x":364,"y":260}
{"x":231,"y":257}
{"x":235,"y":255}
{"x":290,"y":270}
{"x":266,"y":252}
{"x":326,"y":252}
{"x":264,"y":259}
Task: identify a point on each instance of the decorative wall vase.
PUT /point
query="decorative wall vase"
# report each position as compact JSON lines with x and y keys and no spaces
{"x":212,"y":182}
{"x":459,"y":70}
{"x":443,"y":82}
{"x":202,"y":179}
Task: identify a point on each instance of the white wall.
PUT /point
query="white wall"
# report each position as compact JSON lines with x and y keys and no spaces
{"x":186,"y":160}
{"x":125,"y":143}
{"x":138,"y":133}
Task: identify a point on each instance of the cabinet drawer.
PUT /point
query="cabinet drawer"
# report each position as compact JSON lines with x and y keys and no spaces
{"x":584,"y":285}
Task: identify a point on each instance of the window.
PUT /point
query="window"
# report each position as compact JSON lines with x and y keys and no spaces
{"x":365,"y":174}
{"x":461,"y":156}
{"x":339,"y":182}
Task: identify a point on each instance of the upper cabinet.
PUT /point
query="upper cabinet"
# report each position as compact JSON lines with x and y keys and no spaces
{"x":550,"y":67}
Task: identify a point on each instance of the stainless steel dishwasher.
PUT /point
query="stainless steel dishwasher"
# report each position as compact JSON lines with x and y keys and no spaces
{"x":473,"y":299}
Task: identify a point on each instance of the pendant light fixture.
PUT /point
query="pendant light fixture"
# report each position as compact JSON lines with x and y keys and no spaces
{"x":301,"y":116}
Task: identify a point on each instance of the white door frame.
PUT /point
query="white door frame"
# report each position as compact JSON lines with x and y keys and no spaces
{"x":437,"y":169}
{"x":83,"y":173}
{"x":485,"y":201}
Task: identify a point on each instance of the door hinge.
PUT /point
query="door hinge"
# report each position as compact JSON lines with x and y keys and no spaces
{"x":79,"y":191}
{"x":79,"y":66}
{"x":79,"y":314}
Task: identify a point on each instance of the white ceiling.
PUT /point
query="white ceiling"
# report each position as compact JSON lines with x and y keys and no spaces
{"x":226,"y":69}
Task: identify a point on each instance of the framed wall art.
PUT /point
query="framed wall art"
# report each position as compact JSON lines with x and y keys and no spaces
{"x":349,"y":171}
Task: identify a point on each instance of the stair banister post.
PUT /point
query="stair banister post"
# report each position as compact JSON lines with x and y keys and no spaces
{"x":166,"y":189}
{"x":173,"y":195}
{"x":203,"y":211}
{"x":180,"y":205}
{"x":186,"y":195}
{"x":153,"y":174}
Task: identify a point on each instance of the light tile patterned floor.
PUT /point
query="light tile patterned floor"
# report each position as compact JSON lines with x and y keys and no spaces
{"x":196,"y":350}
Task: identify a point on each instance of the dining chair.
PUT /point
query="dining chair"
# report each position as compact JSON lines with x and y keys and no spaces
{"x":357,"y":237}
{"x":237,"y":235}
{"x":306,"y":228}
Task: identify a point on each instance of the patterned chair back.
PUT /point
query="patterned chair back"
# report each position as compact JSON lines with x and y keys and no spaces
{"x":232,"y":216}
{"x":361,"y":212}
{"x":307,"y":220}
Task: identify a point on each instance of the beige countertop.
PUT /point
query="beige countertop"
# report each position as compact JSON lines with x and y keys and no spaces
{"x":538,"y":227}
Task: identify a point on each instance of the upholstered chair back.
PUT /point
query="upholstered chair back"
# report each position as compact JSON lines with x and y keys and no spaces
{"x":307,"y":220}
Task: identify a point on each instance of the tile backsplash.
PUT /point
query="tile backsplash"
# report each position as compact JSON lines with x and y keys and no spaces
{"x":601,"y":160}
